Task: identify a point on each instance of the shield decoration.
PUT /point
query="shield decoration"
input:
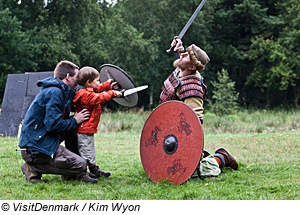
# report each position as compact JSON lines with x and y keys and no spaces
{"x":109,"y":71}
{"x":171,"y":143}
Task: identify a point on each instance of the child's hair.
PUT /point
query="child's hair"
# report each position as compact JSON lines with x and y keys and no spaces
{"x":85,"y":74}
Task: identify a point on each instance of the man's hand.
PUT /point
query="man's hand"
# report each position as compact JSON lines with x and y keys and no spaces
{"x":82,"y":116}
{"x":177,"y":44}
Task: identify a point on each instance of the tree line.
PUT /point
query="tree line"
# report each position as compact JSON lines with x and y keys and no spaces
{"x":255,"y":41}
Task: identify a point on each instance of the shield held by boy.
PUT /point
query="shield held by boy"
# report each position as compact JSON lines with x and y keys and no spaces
{"x":109,"y":71}
{"x":171,"y":143}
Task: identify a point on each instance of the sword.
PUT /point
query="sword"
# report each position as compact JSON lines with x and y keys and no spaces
{"x":134,"y":90}
{"x":187,"y":25}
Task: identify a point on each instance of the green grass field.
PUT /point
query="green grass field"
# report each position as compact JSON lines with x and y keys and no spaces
{"x":265,"y":143}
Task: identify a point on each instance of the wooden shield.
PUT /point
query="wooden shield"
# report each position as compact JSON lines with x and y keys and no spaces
{"x":109,"y":71}
{"x":171,"y":143}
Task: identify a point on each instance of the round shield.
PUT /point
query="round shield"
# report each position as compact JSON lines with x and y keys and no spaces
{"x":171,"y":143}
{"x":109,"y":71}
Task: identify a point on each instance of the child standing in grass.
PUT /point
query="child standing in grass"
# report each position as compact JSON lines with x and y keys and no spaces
{"x":90,"y":94}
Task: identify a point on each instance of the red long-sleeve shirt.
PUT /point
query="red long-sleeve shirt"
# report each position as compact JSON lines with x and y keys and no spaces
{"x":92,"y":99}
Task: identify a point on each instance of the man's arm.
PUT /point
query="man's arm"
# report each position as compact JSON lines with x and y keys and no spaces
{"x":53,"y":114}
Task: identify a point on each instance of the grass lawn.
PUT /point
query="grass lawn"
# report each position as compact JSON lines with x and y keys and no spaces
{"x":269,"y":167}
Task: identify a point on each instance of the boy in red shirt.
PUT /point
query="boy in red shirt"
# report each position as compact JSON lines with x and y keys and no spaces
{"x":90,"y":95}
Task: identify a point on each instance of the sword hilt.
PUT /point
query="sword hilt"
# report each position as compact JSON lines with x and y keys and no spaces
{"x":170,"y":49}
{"x":122,"y":91}
{"x":173,"y":48}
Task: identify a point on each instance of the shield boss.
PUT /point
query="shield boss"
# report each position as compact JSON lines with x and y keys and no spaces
{"x":171,"y":143}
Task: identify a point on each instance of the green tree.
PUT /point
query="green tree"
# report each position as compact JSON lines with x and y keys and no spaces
{"x":84,"y":24}
{"x":48,"y":42}
{"x":224,"y":95}
{"x":134,"y":54}
{"x":255,"y":40}
{"x":53,"y":46}
{"x":31,"y":13}
{"x":276,"y":59}
{"x":234,"y":23}
{"x":16,"y":51}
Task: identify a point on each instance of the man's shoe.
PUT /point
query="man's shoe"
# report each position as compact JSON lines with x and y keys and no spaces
{"x":86,"y":178}
{"x":230,"y":162}
{"x":30,"y":175}
{"x":92,"y":175}
{"x":98,"y":172}
{"x":73,"y":178}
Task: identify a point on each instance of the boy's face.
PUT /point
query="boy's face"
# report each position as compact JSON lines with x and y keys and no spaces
{"x":95,"y":83}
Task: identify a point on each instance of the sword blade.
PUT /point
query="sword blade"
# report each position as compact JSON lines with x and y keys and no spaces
{"x":134,"y":90}
{"x":187,"y":25}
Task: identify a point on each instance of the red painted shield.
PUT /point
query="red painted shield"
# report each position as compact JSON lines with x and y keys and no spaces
{"x":171,"y":143}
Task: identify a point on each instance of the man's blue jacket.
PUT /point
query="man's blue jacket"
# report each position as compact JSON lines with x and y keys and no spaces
{"x":44,"y":119}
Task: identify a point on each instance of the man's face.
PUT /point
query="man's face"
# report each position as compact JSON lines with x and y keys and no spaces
{"x":73,"y":80}
{"x":184,"y":61}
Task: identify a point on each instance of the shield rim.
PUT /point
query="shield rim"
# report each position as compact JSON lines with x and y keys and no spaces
{"x":121,"y":101}
{"x":116,"y":67}
{"x":198,"y":160}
